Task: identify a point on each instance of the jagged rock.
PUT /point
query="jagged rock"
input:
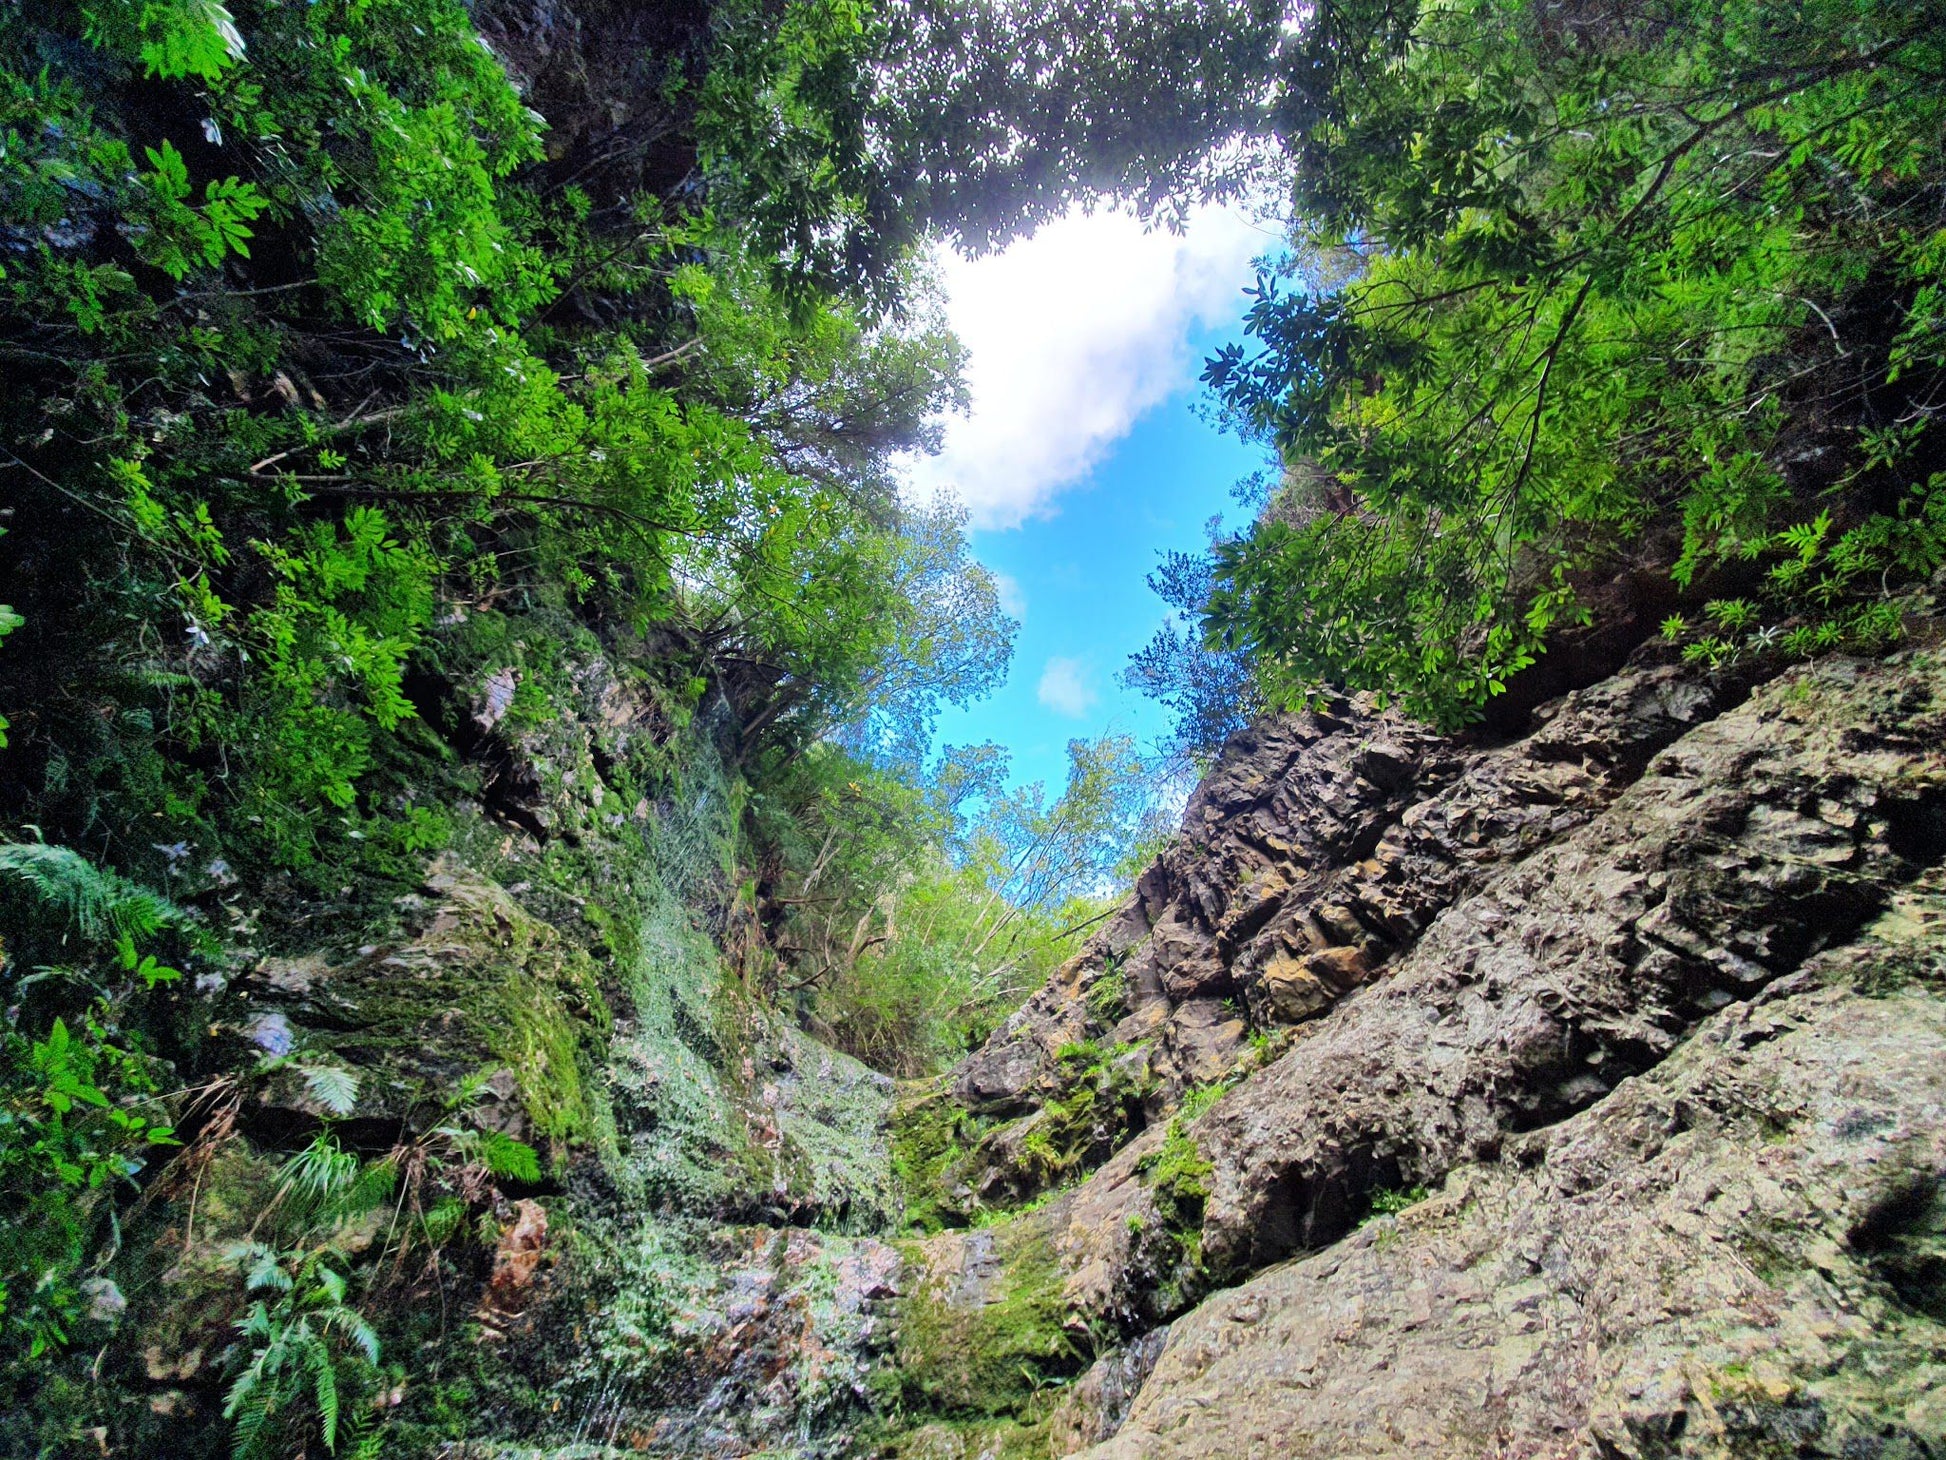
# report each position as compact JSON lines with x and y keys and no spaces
{"x":1773,"y":831}
{"x":515,"y":1261}
{"x":1756,"y":840}
{"x":472,"y":983}
{"x":1738,"y":1253}
{"x":709,"y":1340}
{"x":1098,"y":1403}
{"x":1318,"y":848}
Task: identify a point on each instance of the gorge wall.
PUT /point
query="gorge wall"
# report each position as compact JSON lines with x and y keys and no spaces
{"x":1575,"y":1096}
{"x":1581,"y":1093}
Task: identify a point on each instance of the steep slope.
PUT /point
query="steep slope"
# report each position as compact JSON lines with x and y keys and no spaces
{"x":1649,"y":997}
{"x":1576,"y":1094}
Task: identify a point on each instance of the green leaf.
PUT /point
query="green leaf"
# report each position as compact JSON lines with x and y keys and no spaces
{"x":506,"y":1157}
{"x":333,"y":1087}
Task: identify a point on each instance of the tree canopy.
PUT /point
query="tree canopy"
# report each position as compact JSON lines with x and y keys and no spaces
{"x":396,"y":386}
{"x":1579,"y":290}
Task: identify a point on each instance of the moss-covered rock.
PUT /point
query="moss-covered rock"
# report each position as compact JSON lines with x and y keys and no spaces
{"x":983,"y":1323}
{"x":472,"y":983}
{"x":722,"y":1109}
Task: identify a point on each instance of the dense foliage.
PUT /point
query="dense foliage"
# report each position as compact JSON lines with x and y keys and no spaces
{"x":1210,"y":689}
{"x":917,"y":918}
{"x":374,"y":368}
{"x":397,"y":388}
{"x":1648,"y":288}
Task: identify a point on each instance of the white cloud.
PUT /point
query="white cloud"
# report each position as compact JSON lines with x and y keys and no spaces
{"x":1064,"y":687}
{"x":1013,"y":598}
{"x":1071,"y":335}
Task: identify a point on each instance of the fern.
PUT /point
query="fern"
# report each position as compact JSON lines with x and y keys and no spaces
{"x":505,"y":1156}
{"x":101,"y":904}
{"x":324,"y":1388}
{"x":332,"y":1086}
{"x":307,"y":1344}
{"x":443,"y":1220}
{"x":357,"y":1332}
{"x":314,"y":1182}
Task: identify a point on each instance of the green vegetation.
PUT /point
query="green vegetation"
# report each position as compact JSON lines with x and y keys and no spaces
{"x":469,"y":679}
{"x":1389,"y":1203}
{"x":931,"y":1137}
{"x":916,"y":926}
{"x":989,"y":1357}
{"x":1653,"y":291}
{"x":80,"y":1108}
{"x":462,"y":615}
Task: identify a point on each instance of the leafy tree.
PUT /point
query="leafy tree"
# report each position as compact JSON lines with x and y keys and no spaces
{"x":80,"y":1117}
{"x":844,"y":132}
{"x":1655,"y":285}
{"x":344,"y":338}
{"x":1210,"y":691}
{"x":911,"y":921}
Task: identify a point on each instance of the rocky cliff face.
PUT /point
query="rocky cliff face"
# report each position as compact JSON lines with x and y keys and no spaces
{"x":1577,"y":1095}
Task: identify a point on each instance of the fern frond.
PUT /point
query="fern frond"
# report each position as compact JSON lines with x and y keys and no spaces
{"x":360,"y":1334}
{"x":467,"y":1093}
{"x":263,"y":1271}
{"x":317,"y":1177}
{"x":507,"y":1157}
{"x":250,"y":1403}
{"x":324,"y":1388}
{"x":331,"y":1283}
{"x":443,"y":1220}
{"x":101,"y":904}
{"x":332,"y":1086}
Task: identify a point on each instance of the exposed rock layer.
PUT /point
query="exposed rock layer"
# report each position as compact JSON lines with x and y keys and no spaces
{"x":1626,"y":993}
{"x":1318,"y":848}
{"x":1738,"y":1253}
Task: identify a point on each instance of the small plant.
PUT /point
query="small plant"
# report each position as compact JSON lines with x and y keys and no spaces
{"x":1390,"y":1203}
{"x":308,"y":1348}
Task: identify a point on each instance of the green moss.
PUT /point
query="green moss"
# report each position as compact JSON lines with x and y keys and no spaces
{"x":481,"y":984}
{"x":538,"y":1039}
{"x":1107,"y":996}
{"x":685,"y":1143}
{"x":720,"y":1108}
{"x":985,"y":1334}
{"x":1004,"y":1439}
{"x":939,"y":1150}
{"x":931,"y":1138}
{"x":1177,"y":1175}
{"x":1100,"y":1103}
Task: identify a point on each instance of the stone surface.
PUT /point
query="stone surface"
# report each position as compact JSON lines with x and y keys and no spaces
{"x":1097,"y":1405}
{"x":1736,"y":1254}
{"x":469,"y":982}
{"x":1770,"y":832}
{"x":515,"y":1261}
{"x":724,"y":1341}
{"x":1318,"y":849}
{"x":1757,"y":839}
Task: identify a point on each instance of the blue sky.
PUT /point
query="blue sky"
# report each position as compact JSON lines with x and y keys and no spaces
{"x":1077,"y":578}
{"x":1082,"y":459}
